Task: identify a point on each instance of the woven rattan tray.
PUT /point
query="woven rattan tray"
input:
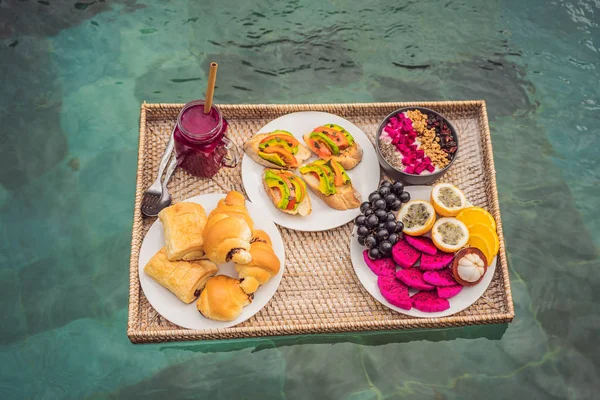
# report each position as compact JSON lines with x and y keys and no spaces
{"x":319,"y":292}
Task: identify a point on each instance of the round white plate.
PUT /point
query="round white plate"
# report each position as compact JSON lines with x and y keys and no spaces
{"x":187,"y":315}
{"x":464,"y":299}
{"x":365,"y":176}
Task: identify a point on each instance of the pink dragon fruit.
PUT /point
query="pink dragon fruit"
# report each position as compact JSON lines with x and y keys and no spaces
{"x":422,"y":243}
{"x":381,"y":267}
{"x":394,"y":291}
{"x":420,"y":168}
{"x":446,"y":292}
{"x":404,"y":254}
{"x":439,"y":278}
{"x":420,"y":154}
{"x":410,"y":169}
{"x":429,"y":302}
{"x":413,"y":278}
{"x":437,"y":261}
{"x":430,"y":168}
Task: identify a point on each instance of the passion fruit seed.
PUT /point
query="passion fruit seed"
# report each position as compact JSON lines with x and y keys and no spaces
{"x":417,"y":215}
{"x":449,"y":197}
{"x":451,"y":234}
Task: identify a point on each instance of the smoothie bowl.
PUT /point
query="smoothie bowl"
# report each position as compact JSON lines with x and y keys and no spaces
{"x":416,"y":145}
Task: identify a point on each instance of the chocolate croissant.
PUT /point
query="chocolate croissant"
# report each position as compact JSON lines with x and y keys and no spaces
{"x":264,"y":265}
{"x":222,"y":299}
{"x":227,"y":239}
{"x":185,"y":279}
{"x":233,"y":205}
{"x":184,"y":230}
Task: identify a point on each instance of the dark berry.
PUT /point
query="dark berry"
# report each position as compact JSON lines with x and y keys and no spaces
{"x":370,"y":241}
{"x":374,"y":254}
{"x":382,"y":234}
{"x":360,"y":220}
{"x":372,"y":221}
{"x":385,"y":247}
{"x":365,"y":206}
{"x":374,"y":196}
{"x":390,"y":226}
{"x":370,"y":211}
{"x":399,"y":226}
{"x":380,"y":203}
{"x":362,"y":231}
{"x":398,"y":188}
{"x":384,"y":190}
{"x":381,"y":214}
{"x":390,"y":199}
{"x":397,"y":204}
{"x":385,"y":184}
{"x":361,"y":241}
{"x":405,"y":197}
{"x":391,"y":217}
{"x":381,"y":225}
{"x":393,"y":238}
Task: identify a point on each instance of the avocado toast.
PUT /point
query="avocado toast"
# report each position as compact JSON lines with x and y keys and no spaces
{"x":278,"y":149}
{"x":328,"y":180}
{"x":287,"y":192}
{"x":332,"y":142}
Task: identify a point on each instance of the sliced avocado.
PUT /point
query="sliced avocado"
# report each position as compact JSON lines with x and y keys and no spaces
{"x":323,"y":138}
{"x":273,"y":180}
{"x":300,"y":188}
{"x":278,"y":142}
{"x":339,"y":170}
{"x":326,"y":185}
{"x":274,"y":158}
{"x":345,"y":132}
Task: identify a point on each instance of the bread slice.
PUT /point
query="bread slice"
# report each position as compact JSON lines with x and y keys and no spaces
{"x":345,"y":198}
{"x":251,"y":147}
{"x":349,"y":158}
{"x":304,"y":207}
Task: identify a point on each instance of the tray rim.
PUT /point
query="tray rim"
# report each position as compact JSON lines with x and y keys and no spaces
{"x":136,"y":335}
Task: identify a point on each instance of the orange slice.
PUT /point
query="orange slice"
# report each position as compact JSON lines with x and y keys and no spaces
{"x":489,"y":236}
{"x":449,"y":235}
{"x":480,"y":243}
{"x":447,"y":199}
{"x":476,"y":215}
{"x":418,"y":217}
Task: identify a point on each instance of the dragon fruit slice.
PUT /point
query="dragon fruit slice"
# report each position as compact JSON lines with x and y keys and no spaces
{"x":436,"y":261}
{"x":410,"y":169}
{"x":404,"y":254}
{"x":440,"y":278}
{"x":394,"y":291}
{"x":413,"y":278}
{"x":381,"y":267}
{"x":422,"y":243}
{"x":446,"y":292}
{"x":429,"y":302}
{"x":430,"y":168}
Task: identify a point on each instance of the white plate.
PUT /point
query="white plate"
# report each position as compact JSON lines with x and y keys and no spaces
{"x":464,"y":299}
{"x":187,"y":315}
{"x":365,"y":176}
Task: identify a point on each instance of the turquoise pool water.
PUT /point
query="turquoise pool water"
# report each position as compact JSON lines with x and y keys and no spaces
{"x":73,"y":74}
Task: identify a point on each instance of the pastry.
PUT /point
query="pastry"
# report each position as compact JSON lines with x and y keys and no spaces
{"x":227,"y":239}
{"x":329,"y":181}
{"x":287,"y":192}
{"x":264,"y":264}
{"x":185,"y":279}
{"x":183,"y":225}
{"x":233,"y":205}
{"x":332,"y":142}
{"x":222,"y":299}
{"x":278,"y":149}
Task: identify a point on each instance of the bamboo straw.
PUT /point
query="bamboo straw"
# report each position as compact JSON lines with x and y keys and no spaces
{"x":210,"y":88}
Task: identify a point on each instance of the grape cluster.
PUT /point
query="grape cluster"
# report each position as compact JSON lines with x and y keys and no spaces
{"x":377,"y":227}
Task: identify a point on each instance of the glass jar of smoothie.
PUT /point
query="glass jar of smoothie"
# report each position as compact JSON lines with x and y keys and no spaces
{"x":200,"y":142}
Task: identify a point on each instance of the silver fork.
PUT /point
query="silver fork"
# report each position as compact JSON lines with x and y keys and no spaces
{"x":153,"y":195}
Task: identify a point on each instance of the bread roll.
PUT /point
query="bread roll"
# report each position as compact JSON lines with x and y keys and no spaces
{"x":264,"y":265}
{"x":345,"y":198}
{"x":185,"y":279}
{"x":222,"y":299}
{"x":227,"y":239}
{"x":183,"y":225}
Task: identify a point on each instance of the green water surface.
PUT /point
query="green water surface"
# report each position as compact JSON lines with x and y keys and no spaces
{"x":72,"y":77}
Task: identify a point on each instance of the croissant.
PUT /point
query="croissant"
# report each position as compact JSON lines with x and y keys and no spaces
{"x":222,"y":299}
{"x":263,"y":266}
{"x":185,"y":279}
{"x":226,"y":239}
{"x":184,"y":228}
{"x":233,"y":205}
